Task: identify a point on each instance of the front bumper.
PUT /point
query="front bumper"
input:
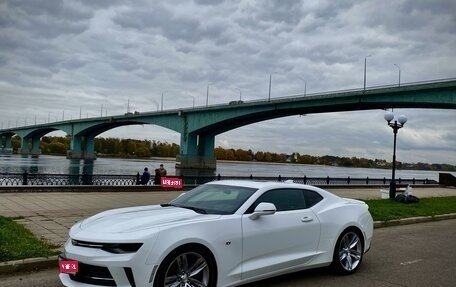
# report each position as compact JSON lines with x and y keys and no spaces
{"x":100,"y":268}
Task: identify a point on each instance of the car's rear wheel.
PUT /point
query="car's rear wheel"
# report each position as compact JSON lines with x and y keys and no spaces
{"x":187,"y":267}
{"x":348,"y":253}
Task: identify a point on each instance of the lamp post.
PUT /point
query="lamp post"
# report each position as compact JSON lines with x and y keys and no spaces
{"x":240,"y":93}
{"x":270,"y":81}
{"x":396,"y":125}
{"x":162,"y":102}
{"x":193,"y":100}
{"x":399,"y":74}
{"x":207,"y":94}
{"x":365,"y":64}
{"x":305,"y":86}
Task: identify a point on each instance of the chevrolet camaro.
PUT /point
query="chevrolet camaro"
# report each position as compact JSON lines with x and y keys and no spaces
{"x":222,"y":233}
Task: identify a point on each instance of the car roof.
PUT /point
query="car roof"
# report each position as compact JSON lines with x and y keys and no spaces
{"x":273,"y":184}
{"x":259,"y":184}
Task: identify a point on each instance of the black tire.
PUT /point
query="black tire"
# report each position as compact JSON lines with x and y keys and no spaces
{"x":348,"y":252}
{"x":190,"y":264}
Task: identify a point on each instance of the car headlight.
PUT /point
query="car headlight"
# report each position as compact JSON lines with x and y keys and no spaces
{"x":117,"y":248}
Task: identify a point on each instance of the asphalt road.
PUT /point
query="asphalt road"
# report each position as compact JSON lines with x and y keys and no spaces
{"x":418,"y":255}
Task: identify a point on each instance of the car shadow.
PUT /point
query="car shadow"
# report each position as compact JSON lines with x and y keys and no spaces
{"x":296,"y":279}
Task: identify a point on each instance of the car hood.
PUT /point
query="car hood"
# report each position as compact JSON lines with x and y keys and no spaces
{"x":132,"y":219}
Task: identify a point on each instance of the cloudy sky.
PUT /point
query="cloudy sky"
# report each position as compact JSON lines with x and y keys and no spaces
{"x":66,"y":59}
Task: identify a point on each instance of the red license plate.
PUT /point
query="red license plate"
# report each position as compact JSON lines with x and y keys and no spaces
{"x":173,"y":182}
{"x":68,"y":266}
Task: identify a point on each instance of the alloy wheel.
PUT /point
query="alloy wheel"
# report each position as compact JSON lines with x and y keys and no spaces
{"x":188,"y":269}
{"x":350,"y":251}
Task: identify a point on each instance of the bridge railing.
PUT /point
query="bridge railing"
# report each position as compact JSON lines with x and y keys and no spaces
{"x":16,"y":179}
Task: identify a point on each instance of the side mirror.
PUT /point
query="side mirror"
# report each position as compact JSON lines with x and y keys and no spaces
{"x":264,"y":208}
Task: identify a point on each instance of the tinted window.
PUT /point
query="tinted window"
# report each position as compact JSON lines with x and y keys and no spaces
{"x":283,"y":199}
{"x":311,"y":198}
{"x":215,"y":198}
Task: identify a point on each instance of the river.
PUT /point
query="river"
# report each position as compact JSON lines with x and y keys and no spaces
{"x":45,"y":164}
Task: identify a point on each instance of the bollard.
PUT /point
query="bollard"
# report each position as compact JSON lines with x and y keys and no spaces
{"x":25,"y":178}
{"x":137,"y":178}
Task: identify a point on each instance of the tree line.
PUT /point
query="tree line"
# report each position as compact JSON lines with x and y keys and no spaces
{"x":133,"y":148}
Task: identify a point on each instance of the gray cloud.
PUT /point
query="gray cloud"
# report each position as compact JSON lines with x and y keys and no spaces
{"x":61,"y":57}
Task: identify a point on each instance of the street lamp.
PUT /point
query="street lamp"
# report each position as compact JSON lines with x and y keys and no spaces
{"x":365,"y":64}
{"x":270,"y":80}
{"x":389,"y":116}
{"x":399,"y":74}
{"x":193,"y":99}
{"x":207,"y":94}
{"x":305,"y":86}
{"x":240,"y":93}
{"x":162,"y":102}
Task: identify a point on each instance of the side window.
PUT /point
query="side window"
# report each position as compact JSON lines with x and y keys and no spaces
{"x":311,"y":198}
{"x":283,"y":199}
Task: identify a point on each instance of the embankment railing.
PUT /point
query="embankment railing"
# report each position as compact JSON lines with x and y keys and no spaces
{"x":16,"y":179}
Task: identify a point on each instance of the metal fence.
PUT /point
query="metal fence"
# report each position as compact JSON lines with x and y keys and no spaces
{"x":15,"y":179}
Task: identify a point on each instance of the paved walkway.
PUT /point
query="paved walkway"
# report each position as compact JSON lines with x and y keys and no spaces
{"x":50,"y":215}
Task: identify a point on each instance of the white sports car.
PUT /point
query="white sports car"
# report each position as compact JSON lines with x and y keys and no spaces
{"x":223,"y":233}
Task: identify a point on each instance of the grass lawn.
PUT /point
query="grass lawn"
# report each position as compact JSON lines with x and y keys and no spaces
{"x":387,"y":209}
{"x":17,"y":242}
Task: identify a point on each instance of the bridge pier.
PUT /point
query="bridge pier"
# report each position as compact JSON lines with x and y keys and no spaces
{"x":72,"y":154}
{"x":82,"y":148}
{"x":6,"y":146}
{"x":197,"y":155}
{"x":195,"y":165}
{"x":30,"y":146}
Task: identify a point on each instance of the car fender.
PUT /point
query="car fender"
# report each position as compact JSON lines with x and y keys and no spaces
{"x":222,"y":237}
{"x":333,"y":224}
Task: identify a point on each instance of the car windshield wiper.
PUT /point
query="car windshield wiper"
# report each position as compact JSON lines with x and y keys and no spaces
{"x":196,"y":209}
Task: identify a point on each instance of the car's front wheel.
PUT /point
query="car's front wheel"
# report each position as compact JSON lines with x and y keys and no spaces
{"x":348,"y":253}
{"x":187,"y":267}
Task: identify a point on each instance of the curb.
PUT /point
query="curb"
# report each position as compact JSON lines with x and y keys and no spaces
{"x":40,"y":263}
{"x":413,"y":220}
{"x":29,"y":264}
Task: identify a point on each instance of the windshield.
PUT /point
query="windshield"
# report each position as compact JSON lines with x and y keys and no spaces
{"x":214,"y":198}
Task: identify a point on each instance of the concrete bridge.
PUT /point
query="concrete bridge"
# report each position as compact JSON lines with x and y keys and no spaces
{"x":198,"y":126}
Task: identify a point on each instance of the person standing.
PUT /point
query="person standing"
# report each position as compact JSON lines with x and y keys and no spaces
{"x":145,"y":177}
{"x":162,"y":170}
{"x":157,"y":177}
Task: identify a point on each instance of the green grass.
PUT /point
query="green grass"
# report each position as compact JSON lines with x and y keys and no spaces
{"x":386,"y":209}
{"x":17,"y":242}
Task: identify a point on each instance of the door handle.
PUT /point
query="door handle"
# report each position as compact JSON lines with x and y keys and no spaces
{"x":306,"y":219}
